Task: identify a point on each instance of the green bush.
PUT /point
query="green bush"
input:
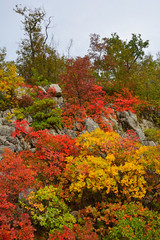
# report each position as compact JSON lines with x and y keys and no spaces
{"x":45,"y":114}
{"x":153,"y":134}
{"x":135,"y":223}
{"x":48,"y":210}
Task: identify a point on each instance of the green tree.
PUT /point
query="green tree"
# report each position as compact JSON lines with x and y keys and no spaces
{"x":147,"y":79}
{"x":115,"y":60}
{"x":38,"y":62}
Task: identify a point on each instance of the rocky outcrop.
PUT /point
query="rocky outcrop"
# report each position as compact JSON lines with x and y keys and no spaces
{"x":58,"y":94}
{"x":57,"y":88}
{"x":127,"y":120}
{"x":123,"y":121}
{"x":90,"y":125}
{"x":6,"y":129}
{"x":7,"y":119}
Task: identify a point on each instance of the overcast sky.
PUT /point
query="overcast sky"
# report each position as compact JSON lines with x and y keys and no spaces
{"x":77,"y":19}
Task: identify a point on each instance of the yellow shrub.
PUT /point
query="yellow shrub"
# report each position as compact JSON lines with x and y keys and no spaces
{"x":9,"y":80}
{"x":106,"y":165}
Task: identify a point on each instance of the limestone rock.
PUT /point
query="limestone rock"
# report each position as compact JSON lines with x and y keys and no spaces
{"x":59,"y":100}
{"x":90,"y":125}
{"x":57,"y":88}
{"x":3,"y":139}
{"x":42,"y":88}
{"x":129,"y":121}
{"x":1,"y":121}
{"x":149,"y":143}
{"x":146,"y":124}
{"x":6,"y":130}
{"x":12,"y":140}
{"x":70,"y":133}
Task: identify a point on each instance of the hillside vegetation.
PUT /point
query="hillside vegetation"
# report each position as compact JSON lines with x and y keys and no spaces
{"x":100,"y":184}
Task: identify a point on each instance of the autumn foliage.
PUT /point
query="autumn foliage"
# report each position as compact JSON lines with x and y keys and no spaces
{"x":15,"y":178}
{"x":104,"y":184}
{"x":9,"y":81}
{"x":97,"y":185}
{"x":84,"y":98}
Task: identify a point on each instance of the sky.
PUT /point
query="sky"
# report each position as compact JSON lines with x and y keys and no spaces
{"x":77,"y":19}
